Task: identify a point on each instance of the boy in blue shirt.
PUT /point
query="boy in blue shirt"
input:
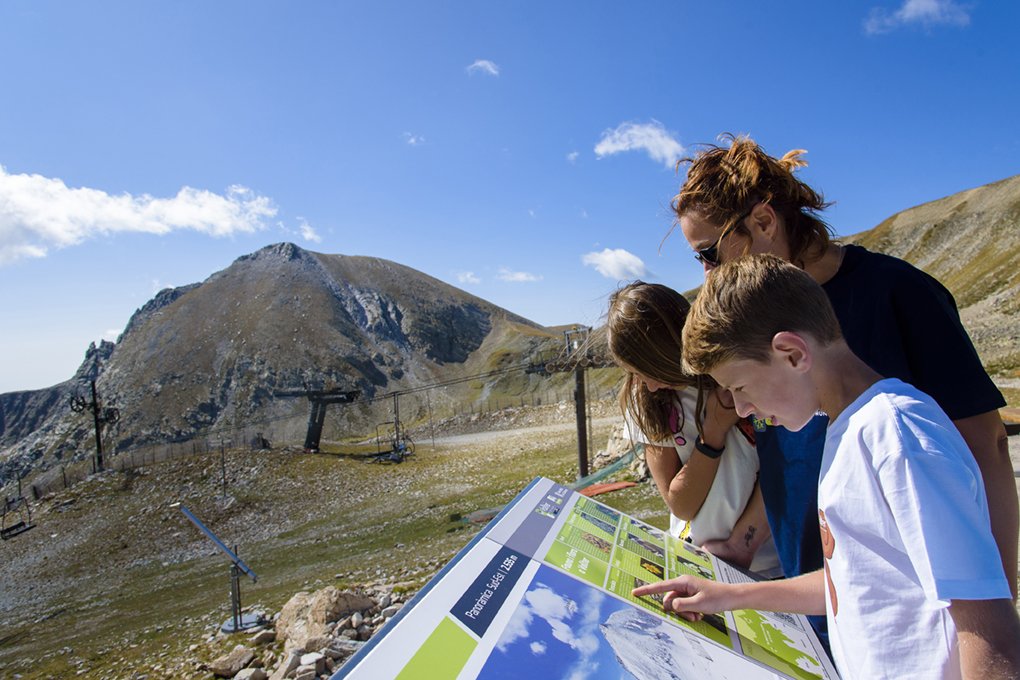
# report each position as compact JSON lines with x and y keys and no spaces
{"x":912,"y":584}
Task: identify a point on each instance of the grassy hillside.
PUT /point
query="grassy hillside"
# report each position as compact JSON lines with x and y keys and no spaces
{"x":114,"y":581}
{"x":969,"y":241}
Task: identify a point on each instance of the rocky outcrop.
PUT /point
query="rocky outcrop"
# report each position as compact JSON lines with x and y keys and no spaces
{"x":305,"y":620}
{"x":163,"y":299}
{"x":318,"y":632}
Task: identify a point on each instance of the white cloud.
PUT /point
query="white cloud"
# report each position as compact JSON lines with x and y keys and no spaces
{"x":413,"y":140}
{"x":572,"y":157}
{"x":308,"y":232}
{"x":38,"y":213}
{"x":517,"y":627}
{"x":584,"y":669}
{"x":506,"y":274}
{"x":468,"y":277}
{"x":575,"y":626}
{"x":652,"y":138}
{"x":304,"y":231}
{"x":927,"y":13}
{"x":484,"y":66}
{"x":112,"y":334}
{"x":616,"y":263}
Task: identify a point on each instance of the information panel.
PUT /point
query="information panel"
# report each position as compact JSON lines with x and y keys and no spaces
{"x":544,"y":592}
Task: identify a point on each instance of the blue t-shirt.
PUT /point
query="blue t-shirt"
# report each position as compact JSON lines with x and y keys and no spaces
{"x":904,"y":324}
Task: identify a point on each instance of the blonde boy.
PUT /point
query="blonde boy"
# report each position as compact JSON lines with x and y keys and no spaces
{"x":912,"y":584}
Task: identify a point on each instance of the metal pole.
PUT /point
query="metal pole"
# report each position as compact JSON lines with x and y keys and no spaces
{"x":219,"y":544}
{"x":396,"y":418}
{"x":591,"y":427}
{"x":98,"y":424}
{"x":432,"y":427}
{"x":235,"y":595}
{"x":223,"y":467}
{"x":582,"y":429}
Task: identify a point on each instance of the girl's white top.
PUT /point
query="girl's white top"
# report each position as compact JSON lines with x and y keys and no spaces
{"x":731,"y":489}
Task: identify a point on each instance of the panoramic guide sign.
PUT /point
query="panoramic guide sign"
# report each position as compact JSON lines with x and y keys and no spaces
{"x":544,"y":591}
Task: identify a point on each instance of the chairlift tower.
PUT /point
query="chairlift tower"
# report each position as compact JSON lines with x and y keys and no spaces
{"x":319,"y":399}
{"x":237,"y":621}
{"x":100,"y":417}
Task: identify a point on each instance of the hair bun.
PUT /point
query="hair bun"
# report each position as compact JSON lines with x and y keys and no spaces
{"x":792,"y":160}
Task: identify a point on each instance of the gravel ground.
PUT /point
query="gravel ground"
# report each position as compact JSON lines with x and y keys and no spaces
{"x":114,"y":580}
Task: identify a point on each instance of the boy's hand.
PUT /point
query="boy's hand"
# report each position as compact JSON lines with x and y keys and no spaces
{"x":689,"y":596}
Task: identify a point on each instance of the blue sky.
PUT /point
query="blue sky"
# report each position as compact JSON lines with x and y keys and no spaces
{"x":522,"y":151}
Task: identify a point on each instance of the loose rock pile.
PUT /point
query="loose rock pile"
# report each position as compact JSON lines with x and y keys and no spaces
{"x":318,"y":632}
{"x":619,"y":443}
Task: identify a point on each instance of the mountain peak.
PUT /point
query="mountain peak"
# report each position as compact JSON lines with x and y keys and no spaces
{"x":284,"y":251}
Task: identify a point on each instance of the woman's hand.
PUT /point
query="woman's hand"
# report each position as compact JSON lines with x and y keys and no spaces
{"x":720,"y":416}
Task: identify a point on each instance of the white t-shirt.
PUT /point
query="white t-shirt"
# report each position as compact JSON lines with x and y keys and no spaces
{"x":905,"y":529}
{"x":734,"y":481}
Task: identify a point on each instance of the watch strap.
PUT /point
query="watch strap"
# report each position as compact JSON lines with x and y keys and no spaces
{"x":709,"y":451}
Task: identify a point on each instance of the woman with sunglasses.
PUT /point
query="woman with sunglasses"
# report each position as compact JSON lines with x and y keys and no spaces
{"x":703,"y":464}
{"x":738,"y":200}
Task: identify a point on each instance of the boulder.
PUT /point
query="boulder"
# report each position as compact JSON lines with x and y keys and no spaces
{"x":251,"y":674}
{"x":306,"y":616}
{"x":314,"y":660}
{"x":290,"y":663}
{"x":316,"y":643}
{"x":229,"y":665}
{"x":344,"y":647}
{"x":263,"y":637}
{"x":330,"y":604}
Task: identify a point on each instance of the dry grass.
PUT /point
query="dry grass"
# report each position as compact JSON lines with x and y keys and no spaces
{"x":114,"y":581}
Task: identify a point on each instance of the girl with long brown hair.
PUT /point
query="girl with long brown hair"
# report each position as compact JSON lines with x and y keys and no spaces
{"x":704,"y":466}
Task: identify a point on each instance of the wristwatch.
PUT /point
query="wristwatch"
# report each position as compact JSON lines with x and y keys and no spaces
{"x":707,"y":450}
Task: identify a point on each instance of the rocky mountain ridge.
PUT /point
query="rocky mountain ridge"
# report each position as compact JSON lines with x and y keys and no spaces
{"x":214,"y":355}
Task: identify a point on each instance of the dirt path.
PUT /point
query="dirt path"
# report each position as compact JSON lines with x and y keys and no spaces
{"x":474,"y":438}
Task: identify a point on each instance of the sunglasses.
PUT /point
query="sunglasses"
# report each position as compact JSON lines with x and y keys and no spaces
{"x":710,"y":255}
